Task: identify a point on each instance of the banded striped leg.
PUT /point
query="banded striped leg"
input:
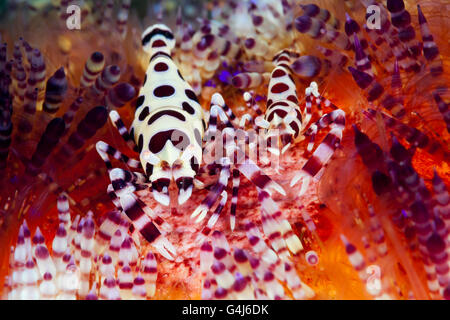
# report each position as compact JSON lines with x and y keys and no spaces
{"x":123,"y":184}
{"x":216,"y":191}
{"x":234,"y":198}
{"x":215,"y":216}
{"x":218,"y":100}
{"x":242,"y":122}
{"x":324,"y":102}
{"x":210,"y":203}
{"x":105,"y":151}
{"x":280,"y":265}
{"x":251,"y":103}
{"x":137,"y":211}
{"x":243,"y":164}
{"x":218,"y":110}
{"x":206,"y":205}
{"x":264,"y":125}
{"x":333,"y":119}
{"x":259,"y":120}
{"x":277,"y":228}
{"x":122,"y":215}
{"x":124,"y":181}
{"x":123,"y":131}
{"x":114,"y":198}
{"x":310,"y":92}
{"x":265,"y":258}
{"x":319,"y":158}
{"x":251,"y":170}
{"x":312,"y":132}
{"x":253,"y":173}
{"x":251,"y":137}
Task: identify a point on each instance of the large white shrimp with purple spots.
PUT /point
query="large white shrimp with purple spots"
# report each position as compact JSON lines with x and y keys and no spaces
{"x":287,"y":123}
{"x":168,"y":126}
{"x":167,"y":132}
